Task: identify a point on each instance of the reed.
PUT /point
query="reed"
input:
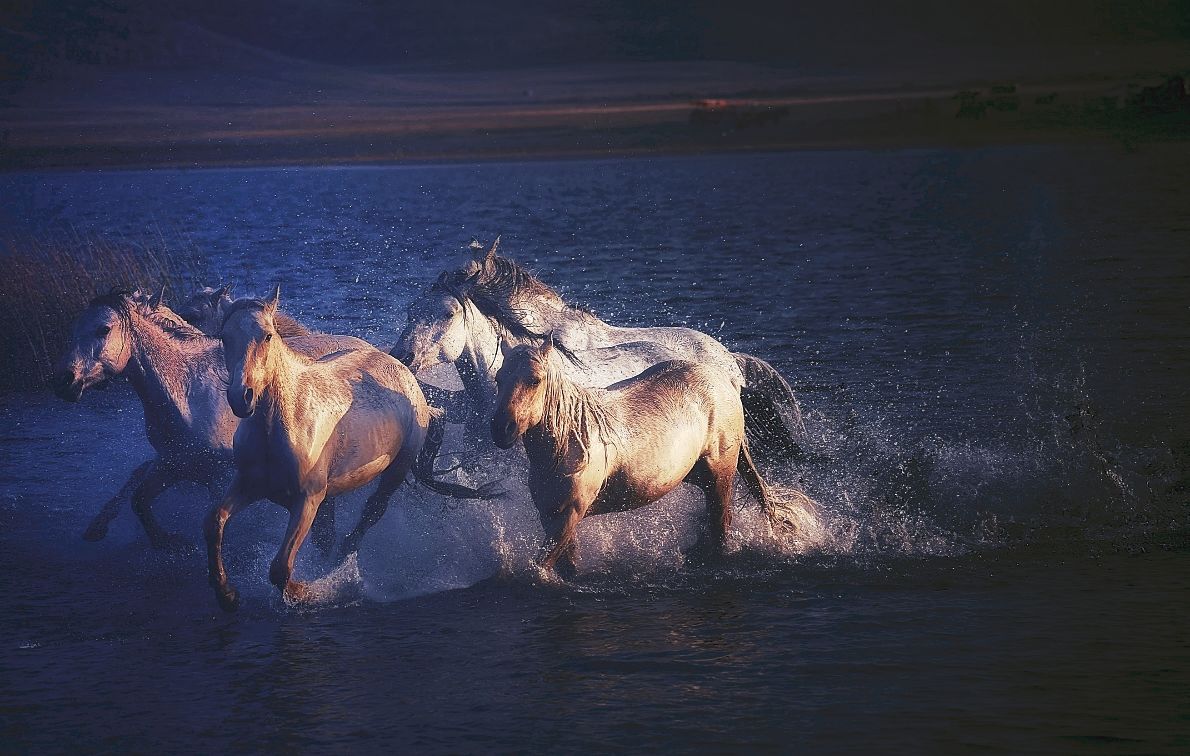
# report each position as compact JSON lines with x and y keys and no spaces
{"x":48,"y":280}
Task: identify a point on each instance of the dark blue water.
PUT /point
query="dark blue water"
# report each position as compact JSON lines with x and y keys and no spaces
{"x":991,"y":346}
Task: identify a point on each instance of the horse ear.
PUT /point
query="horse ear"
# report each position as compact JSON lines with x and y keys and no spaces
{"x":492,"y":252}
{"x":224,"y":291}
{"x":155,"y":300}
{"x":271,"y":303}
{"x":476,"y":250}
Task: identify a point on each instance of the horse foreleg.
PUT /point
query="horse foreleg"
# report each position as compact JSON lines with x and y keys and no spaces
{"x":155,"y":481}
{"x":213,"y":527}
{"x":301,"y":516}
{"x":562,"y":532}
{"x":97,"y":530}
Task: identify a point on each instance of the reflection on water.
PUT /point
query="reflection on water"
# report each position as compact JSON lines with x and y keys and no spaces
{"x":991,"y":348}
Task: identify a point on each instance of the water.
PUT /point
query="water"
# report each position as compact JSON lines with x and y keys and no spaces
{"x":991,"y":348}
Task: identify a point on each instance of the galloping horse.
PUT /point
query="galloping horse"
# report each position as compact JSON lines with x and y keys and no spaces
{"x":179,"y":375}
{"x":311,"y":428}
{"x":595,"y":451}
{"x":465,"y":314}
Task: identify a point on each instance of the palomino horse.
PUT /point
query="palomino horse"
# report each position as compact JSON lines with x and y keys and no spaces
{"x":179,"y":376}
{"x":311,"y":428}
{"x":597,"y":451}
{"x":465,"y":314}
{"x":206,"y":308}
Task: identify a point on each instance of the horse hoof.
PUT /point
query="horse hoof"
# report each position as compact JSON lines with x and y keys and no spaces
{"x":95,"y":532}
{"x":296,"y":593}
{"x":228,"y":598}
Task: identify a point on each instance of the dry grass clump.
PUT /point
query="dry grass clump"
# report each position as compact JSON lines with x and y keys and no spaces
{"x":47,"y":281}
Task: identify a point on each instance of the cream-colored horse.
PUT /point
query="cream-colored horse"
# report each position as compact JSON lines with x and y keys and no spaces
{"x":311,"y":428}
{"x":594,"y":451}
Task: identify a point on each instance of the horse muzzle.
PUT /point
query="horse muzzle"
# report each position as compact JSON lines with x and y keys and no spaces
{"x":66,"y":385}
{"x":504,"y":433}
{"x":243,"y":403}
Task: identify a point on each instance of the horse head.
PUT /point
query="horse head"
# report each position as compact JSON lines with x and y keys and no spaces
{"x":205,"y":308}
{"x":249,"y":337}
{"x":521,"y":385}
{"x":436,"y":328}
{"x":100,"y":345}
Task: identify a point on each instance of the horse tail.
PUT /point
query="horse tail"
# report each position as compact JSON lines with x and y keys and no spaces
{"x":787,"y":509}
{"x":772,"y":415}
{"x":423,"y":466}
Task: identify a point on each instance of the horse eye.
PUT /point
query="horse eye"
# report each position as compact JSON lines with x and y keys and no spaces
{"x":268,"y":337}
{"x":534,"y":381}
{"x":104,"y":330}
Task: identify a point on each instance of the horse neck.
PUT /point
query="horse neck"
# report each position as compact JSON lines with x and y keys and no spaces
{"x":279,"y":400}
{"x":159,"y":367}
{"x":576,"y":328}
{"x":480,"y":359}
{"x":572,"y":415}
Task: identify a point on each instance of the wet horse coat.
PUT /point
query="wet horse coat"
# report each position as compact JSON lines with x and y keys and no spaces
{"x":311,"y":428}
{"x":594,"y":451}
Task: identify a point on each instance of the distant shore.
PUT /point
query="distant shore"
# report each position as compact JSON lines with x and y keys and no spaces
{"x":57,"y":135}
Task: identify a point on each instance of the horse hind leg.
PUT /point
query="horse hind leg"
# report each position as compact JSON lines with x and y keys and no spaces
{"x":716,"y":482}
{"x":97,"y":529}
{"x":377,"y":504}
{"x":322,"y":532}
{"x":154,"y":483}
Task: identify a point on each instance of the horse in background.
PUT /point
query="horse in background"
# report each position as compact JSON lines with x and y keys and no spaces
{"x":466,"y":313}
{"x":595,"y":451}
{"x":310,"y":428}
{"x":206,"y":309}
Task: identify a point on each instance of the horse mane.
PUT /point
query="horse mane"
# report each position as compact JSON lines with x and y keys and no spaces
{"x":173,"y":324}
{"x":124,"y":303}
{"x":573,"y":412}
{"x":495,"y":284}
{"x":285,"y":325}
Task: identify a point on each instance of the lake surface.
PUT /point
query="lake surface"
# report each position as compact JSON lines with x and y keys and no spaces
{"x":991,"y":347}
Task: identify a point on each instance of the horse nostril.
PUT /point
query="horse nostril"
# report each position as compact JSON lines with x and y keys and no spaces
{"x":248,"y":394}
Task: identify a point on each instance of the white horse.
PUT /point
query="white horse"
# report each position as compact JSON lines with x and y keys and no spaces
{"x":311,"y":428}
{"x":464,"y":316}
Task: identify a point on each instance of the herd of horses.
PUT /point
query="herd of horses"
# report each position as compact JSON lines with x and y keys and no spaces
{"x":610,"y":418}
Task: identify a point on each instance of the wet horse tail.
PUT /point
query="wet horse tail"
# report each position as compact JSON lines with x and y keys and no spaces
{"x":772,"y":415}
{"x":788,"y":510}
